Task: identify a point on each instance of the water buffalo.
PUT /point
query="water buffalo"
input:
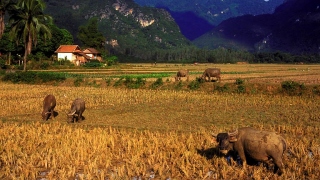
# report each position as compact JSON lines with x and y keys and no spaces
{"x":254,"y":144}
{"x":77,"y":108}
{"x":211,"y":72}
{"x":182,"y":73}
{"x":49,"y":103}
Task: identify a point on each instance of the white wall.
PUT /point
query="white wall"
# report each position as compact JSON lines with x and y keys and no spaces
{"x":70,"y":56}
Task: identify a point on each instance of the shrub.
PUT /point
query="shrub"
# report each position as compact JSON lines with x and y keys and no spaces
{"x":118,"y":82}
{"x":316,"y":90}
{"x":108,"y":81}
{"x":134,"y":84}
{"x":50,"y":76}
{"x":44,"y":65}
{"x":62,"y":61}
{"x":200,"y":80}
{"x":33,"y":77}
{"x":93,"y":64}
{"x":78,"y":81}
{"x":112,"y":60}
{"x":157,"y":83}
{"x":292,"y":88}
{"x":241,"y":88}
{"x":193,"y":85}
{"x":239,"y":81}
{"x":179,"y":85}
{"x":224,"y":88}
{"x":2,"y":63}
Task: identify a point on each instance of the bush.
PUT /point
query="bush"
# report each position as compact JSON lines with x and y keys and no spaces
{"x":193,"y":85}
{"x":93,"y":64}
{"x":108,"y":81}
{"x":118,"y":82}
{"x":157,"y":83}
{"x":179,"y":85}
{"x":224,"y":88}
{"x":112,"y":60}
{"x":33,"y":77}
{"x":292,"y":88}
{"x":241,"y":89}
{"x":63,"y":62}
{"x":200,"y":80}
{"x":134,"y":84}
{"x":44,"y":65}
{"x":78,"y":81}
{"x":2,"y":63}
{"x":239,"y":81}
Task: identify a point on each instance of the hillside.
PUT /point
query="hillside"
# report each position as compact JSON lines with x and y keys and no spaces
{"x":210,"y":13}
{"x":128,"y":28}
{"x":294,"y":27}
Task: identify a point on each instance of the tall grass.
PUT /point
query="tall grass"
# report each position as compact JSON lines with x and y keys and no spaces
{"x":148,"y":134}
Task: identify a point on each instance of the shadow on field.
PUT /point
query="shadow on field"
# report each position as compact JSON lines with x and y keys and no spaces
{"x":210,"y":153}
{"x":231,"y":156}
{"x":55,"y":114}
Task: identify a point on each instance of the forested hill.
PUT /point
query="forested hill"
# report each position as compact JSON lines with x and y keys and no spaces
{"x":196,"y":17}
{"x":294,"y":27}
{"x":129,"y":28}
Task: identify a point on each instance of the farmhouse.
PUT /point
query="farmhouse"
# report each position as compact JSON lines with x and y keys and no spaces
{"x":74,"y":54}
{"x":93,"y":53}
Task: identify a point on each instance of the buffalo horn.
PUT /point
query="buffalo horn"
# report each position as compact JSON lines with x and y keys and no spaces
{"x":71,"y":114}
{"x":213,"y":135}
{"x":234,"y":133}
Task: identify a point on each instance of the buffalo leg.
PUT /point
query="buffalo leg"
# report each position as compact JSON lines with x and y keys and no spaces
{"x":52,"y":114}
{"x":278,"y":166}
{"x":80,"y":116}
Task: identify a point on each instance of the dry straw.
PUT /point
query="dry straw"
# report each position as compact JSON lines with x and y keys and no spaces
{"x":148,"y":134}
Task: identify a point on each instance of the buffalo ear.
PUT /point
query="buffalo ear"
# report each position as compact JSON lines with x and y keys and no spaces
{"x":215,"y":136}
{"x":233,"y":139}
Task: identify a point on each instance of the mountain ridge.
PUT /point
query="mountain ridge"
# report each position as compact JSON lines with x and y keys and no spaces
{"x":129,"y":28}
{"x":293,"y":27}
{"x":211,"y":11}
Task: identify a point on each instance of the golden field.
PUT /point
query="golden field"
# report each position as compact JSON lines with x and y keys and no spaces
{"x":156,"y":134}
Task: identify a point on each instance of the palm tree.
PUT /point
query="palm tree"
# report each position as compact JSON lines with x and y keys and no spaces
{"x":5,"y":5}
{"x":28,"y":22}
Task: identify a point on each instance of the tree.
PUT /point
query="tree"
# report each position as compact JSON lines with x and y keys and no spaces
{"x":5,"y":5}
{"x":90,"y":36}
{"x":27,"y":22}
{"x":7,"y":46}
{"x":61,"y":36}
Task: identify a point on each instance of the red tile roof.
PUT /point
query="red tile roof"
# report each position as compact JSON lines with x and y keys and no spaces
{"x":68,"y":48}
{"x":91,"y":50}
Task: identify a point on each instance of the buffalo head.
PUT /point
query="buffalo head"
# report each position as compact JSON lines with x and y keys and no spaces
{"x":225,"y":141}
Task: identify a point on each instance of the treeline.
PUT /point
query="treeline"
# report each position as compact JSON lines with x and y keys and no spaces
{"x":219,"y":55}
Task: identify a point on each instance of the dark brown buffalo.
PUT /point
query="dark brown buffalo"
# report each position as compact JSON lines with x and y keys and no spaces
{"x":182,"y":73}
{"x":254,"y":144}
{"x":211,"y":72}
{"x":77,"y":108}
{"x":49,"y":103}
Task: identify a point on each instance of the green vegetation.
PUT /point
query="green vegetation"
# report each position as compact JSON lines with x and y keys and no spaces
{"x":28,"y":22}
{"x":292,"y":88}
{"x":30,"y":77}
{"x":157,"y":83}
{"x":134,"y":83}
{"x":90,"y":36}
